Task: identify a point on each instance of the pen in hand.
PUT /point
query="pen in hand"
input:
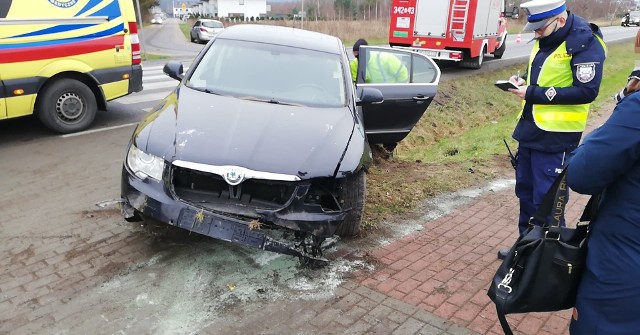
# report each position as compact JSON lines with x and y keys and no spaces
{"x":516,"y":80}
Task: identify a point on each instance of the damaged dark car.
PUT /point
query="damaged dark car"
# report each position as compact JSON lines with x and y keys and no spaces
{"x":266,"y":140}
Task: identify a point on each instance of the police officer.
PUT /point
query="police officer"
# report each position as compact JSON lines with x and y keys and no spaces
{"x":382,"y":67}
{"x":563,"y":76}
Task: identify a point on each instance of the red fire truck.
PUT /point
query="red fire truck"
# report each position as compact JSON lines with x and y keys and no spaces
{"x":451,"y":30}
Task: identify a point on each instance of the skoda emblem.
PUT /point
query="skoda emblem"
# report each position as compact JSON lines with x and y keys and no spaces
{"x":234,"y":176}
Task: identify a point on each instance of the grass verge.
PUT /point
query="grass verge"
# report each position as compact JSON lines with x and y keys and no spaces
{"x":458,"y":142}
{"x":149,"y":56}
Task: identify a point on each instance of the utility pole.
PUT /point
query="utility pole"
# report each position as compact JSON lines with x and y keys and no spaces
{"x":302,"y":16}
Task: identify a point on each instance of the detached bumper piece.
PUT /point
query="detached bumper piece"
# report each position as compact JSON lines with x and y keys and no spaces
{"x":237,"y":231}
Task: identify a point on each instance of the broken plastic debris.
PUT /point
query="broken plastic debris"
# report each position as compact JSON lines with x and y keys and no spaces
{"x":107,"y":203}
{"x":231,"y":286}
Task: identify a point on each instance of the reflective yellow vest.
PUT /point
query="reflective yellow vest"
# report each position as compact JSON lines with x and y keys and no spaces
{"x":382,"y":68}
{"x":557,"y":72}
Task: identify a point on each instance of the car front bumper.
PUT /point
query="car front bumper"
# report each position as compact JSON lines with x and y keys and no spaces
{"x":151,"y":199}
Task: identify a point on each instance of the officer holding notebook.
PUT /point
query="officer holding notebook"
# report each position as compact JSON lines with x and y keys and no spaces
{"x":562,"y":78}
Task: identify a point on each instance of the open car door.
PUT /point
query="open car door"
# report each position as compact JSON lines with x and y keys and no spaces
{"x":408,"y":82}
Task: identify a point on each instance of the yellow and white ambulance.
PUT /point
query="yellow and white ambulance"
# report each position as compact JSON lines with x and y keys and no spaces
{"x":64,"y":59}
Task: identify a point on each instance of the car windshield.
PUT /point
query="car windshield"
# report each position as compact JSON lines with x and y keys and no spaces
{"x":212,"y":24}
{"x":271,"y":73}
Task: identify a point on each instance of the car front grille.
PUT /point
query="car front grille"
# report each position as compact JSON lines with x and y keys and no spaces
{"x":210,"y":190}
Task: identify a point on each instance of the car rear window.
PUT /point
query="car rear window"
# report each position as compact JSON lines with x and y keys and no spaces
{"x":212,"y":24}
{"x":266,"y":71}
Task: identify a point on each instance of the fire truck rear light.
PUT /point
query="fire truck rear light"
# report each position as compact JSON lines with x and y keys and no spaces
{"x":455,"y":56}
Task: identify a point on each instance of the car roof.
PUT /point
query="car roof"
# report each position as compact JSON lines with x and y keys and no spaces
{"x":292,"y":37}
{"x":208,"y":20}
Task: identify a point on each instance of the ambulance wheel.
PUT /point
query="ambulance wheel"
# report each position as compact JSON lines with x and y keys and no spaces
{"x":66,"y":106}
{"x":352,"y":197}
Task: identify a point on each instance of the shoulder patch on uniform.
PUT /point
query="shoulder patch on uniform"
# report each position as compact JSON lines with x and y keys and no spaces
{"x":550,"y":93}
{"x":585,"y":72}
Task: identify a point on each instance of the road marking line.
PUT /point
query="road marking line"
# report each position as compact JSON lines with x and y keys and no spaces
{"x":160,"y":84}
{"x":137,"y":98}
{"x":98,"y":130}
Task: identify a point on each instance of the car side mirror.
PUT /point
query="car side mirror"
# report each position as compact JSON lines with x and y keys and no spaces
{"x":174,"y":70}
{"x":369,"y":95}
{"x":515,"y":14}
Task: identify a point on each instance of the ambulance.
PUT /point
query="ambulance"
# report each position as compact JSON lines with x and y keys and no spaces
{"x":62,"y":60}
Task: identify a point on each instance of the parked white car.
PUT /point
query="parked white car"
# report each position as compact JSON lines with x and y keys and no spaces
{"x":205,"y":29}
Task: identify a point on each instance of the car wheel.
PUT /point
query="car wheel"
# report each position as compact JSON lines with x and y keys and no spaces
{"x":191,"y":36}
{"x":66,"y":106}
{"x":352,"y":197}
{"x":389,"y":146}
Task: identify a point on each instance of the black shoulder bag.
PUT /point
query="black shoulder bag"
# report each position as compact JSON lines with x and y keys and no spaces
{"x":542,"y":270}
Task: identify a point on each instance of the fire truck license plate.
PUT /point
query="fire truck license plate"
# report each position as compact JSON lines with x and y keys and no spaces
{"x":432,"y":53}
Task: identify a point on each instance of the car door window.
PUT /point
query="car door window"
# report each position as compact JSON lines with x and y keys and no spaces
{"x":396,"y":66}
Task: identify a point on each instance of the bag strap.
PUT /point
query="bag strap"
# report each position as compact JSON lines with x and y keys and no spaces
{"x":502,"y":298}
{"x":553,"y":203}
{"x":591,"y":209}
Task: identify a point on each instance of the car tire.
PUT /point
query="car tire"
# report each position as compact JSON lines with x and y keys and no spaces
{"x":191,"y":36}
{"x":66,"y":106}
{"x":352,"y":197}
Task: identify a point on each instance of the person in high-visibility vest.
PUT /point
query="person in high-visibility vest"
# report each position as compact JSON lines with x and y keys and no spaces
{"x":382,"y":67}
{"x":562,"y":78}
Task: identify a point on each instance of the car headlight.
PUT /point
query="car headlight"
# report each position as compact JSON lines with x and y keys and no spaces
{"x":144,"y":165}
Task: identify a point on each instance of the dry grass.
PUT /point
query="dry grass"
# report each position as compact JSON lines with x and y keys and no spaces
{"x":375,"y":32}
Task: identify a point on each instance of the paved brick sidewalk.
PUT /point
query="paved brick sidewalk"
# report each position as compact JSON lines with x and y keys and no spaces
{"x":446,"y":268}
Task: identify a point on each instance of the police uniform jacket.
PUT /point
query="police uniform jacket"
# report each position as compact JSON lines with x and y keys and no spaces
{"x":587,"y":63}
{"x":608,"y":161}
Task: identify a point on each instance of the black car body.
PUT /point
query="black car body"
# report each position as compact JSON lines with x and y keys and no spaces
{"x":265,"y":135}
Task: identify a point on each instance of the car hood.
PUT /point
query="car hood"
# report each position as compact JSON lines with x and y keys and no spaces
{"x":204,"y":128}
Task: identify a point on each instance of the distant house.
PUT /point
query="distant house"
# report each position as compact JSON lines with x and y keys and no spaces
{"x":231,"y":8}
